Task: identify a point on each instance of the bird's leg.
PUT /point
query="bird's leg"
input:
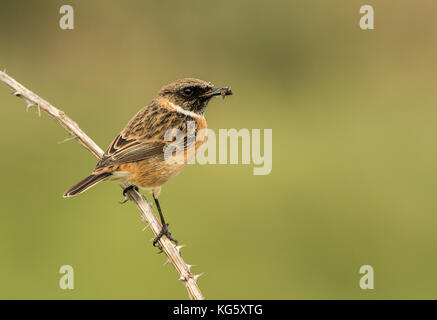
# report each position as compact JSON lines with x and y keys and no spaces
{"x":164,"y":230}
{"x":125,"y":190}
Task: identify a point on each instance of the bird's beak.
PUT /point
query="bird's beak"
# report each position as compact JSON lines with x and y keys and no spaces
{"x":219,"y":91}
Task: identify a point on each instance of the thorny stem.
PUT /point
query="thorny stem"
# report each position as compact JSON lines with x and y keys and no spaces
{"x":173,"y":252}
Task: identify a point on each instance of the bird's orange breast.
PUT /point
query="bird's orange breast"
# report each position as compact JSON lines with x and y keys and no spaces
{"x":154,"y":172}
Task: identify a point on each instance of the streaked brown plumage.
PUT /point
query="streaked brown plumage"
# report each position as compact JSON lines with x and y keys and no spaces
{"x":136,"y":155}
{"x":138,"y":149}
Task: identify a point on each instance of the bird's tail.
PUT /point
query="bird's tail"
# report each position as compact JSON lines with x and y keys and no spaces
{"x":85,"y":184}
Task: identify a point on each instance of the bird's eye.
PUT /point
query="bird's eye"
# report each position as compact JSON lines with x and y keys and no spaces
{"x":188,"y":92}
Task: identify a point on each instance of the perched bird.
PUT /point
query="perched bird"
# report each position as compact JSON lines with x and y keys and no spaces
{"x":137,"y":155}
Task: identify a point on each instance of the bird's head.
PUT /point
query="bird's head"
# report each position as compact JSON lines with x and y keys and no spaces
{"x":192,"y":94}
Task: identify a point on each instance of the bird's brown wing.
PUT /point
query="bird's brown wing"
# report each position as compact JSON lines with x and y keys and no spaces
{"x":129,"y":146}
{"x":123,"y":151}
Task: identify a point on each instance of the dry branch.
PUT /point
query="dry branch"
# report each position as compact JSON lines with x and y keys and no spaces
{"x":173,"y":252}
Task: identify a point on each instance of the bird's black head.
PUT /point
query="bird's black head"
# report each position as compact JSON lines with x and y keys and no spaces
{"x":192,"y":94}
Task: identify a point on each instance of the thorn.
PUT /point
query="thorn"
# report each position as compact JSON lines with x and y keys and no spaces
{"x":189,"y":266}
{"x":178,"y":248}
{"x":167,"y":261}
{"x":197,"y":276}
{"x":67,"y":139}
{"x":181,"y":278}
{"x":29,"y":104}
{"x":144,"y":229}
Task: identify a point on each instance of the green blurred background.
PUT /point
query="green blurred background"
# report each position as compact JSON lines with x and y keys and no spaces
{"x":354,"y":174}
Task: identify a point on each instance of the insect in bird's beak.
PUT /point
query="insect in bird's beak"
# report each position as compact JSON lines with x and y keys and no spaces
{"x":219,"y":91}
{"x":223,"y":93}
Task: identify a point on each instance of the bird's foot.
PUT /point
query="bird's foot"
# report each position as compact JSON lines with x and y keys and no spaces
{"x":125,"y":190}
{"x":164,"y":232}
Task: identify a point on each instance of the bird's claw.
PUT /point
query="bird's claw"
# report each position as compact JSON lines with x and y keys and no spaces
{"x":125,"y":190}
{"x":164,"y":232}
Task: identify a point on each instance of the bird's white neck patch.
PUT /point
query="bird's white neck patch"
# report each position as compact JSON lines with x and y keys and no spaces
{"x":184,"y":111}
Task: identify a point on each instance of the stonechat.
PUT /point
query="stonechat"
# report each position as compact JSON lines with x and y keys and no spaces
{"x":137,"y":154}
